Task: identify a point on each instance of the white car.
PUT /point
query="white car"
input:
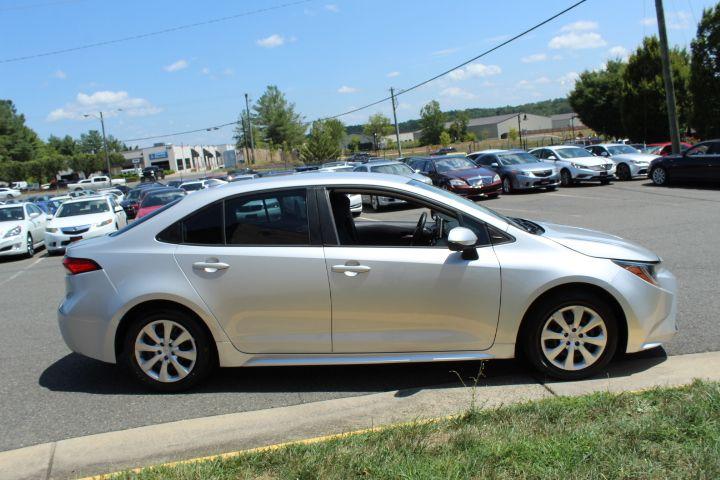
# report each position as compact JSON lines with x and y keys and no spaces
{"x":82,"y":218}
{"x":576,"y":164}
{"x":22,"y":227}
{"x":118,"y":194}
{"x":9,"y":193}
{"x":196,"y":185}
{"x":630,"y":162}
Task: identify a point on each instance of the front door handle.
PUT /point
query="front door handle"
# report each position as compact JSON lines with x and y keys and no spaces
{"x":350,"y":270}
{"x":210,"y":267}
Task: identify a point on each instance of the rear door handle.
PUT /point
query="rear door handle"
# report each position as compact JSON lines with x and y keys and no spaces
{"x":210,"y":267}
{"x":350,"y":270}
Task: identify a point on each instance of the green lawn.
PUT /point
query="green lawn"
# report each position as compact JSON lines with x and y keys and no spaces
{"x":658,"y":434}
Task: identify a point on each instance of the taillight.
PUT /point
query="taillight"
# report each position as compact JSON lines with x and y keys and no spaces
{"x":80,"y":265}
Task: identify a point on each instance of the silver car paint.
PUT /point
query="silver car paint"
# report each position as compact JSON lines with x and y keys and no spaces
{"x":531,"y":265}
{"x":635,"y":161}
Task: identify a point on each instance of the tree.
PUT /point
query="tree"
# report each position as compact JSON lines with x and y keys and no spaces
{"x":336,"y":129}
{"x":242,"y":139}
{"x":643,"y":105}
{"x":513,"y":134}
{"x":18,"y":142}
{"x":445,"y":139}
{"x":276,"y":119}
{"x":705,"y":75}
{"x":377,"y":127}
{"x":64,"y":146}
{"x":322,"y":144}
{"x":11,"y":170}
{"x":87,"y":163}
{"x":470,"y":137}
{"x":596,"y":98}
{"x":354,"y":144}
{"x":432,"y":123}
{"x":458,"y":128}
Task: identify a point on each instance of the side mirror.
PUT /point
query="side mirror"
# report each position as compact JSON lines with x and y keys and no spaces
{"x":552,"y":157}
{"x":48,"y":217}
{"x":494,"y":165}
{"x":461,"y":239}
{"x":118,"y":209}
{"x":604,"y":154}
{"x":417,"y":170}
{"x":34,"y":215}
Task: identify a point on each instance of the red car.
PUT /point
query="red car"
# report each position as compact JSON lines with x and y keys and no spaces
{"x":158,"y":197}
{"x":665,"y":148}
{"x":458,"y":175}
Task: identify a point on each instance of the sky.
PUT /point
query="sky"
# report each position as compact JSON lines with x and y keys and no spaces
{"x":328,"y":57}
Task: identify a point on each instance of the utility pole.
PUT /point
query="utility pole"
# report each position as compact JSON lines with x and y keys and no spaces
{"x":520,"y":131}
{"x":667,"y":77}
{"x":397,"y":129}
{"x":107,"y":157}
{"x":252,"y":143}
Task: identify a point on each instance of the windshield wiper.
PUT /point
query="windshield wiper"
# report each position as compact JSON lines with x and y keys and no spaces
{"x":530,"y":227}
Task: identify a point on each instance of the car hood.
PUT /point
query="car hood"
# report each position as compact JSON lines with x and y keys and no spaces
{"x":635,"y":157}
{"x":77,"y":220}
{"x":586,"y":161}
{"x":466,"y":173}
{"x":531,"y":167}
{"x":420,"y":178}
{"x":597,"y":244}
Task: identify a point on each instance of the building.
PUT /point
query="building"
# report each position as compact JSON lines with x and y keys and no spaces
{"x":499,"y":126}
{"x":404,"y":137}
{"x":182,"y":157}
{"x":564,"y":121}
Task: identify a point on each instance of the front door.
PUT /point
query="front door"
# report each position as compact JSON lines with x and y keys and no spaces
{"x":693,"y":164}
{"x":396,"y":290}
{"x":258,"y":272}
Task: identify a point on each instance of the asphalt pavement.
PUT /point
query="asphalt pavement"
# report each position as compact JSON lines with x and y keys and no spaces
{"x":48,"y":393}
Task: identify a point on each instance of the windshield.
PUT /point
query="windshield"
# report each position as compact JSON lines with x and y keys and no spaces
{"x":10,"y":214}
{"x":447,"y":164}
{"x":161,"y":198}
{"x":573,"y":152}
{"x":88,"y":207}
{"x":620,"y":149}
{"x":393,"y":169}
{"x":191,"y":187}
{"x":518,"y":158}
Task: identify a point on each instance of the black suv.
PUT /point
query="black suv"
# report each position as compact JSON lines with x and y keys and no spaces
{"x":152,"y":174}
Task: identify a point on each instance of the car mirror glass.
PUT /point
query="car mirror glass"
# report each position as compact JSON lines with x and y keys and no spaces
{"x":552,"y":157}
{"x":494,"y":165}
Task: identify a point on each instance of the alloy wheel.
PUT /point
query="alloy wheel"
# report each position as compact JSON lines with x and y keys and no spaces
{"x":165,"y":351}
{"x":507,"y":185}
{"x":375,"y":203}
{"x":659,"y":177}
{"x":573,"y":338}
{"x":565,"y":178}
{"x":30,"y":246}
{"x":624,"y":172}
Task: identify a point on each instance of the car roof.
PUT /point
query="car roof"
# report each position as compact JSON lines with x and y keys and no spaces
{"x":380,"y":163}
{"x":86,"y":198}
{"x":489,"y":150}
{"x":607,"y":145}
{"x":18,"y":204}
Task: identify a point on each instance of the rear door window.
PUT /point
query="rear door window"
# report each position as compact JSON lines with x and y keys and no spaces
{"x":273,"y":218}
{"x":205,"y":227}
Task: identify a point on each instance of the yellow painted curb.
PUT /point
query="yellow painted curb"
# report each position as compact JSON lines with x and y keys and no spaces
{"x":277,"y":446}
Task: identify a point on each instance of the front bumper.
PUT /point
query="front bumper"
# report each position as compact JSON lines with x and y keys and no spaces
{"x":485,"y":190}
{"x":587,"y":175}
{"x":531,"y":182}
{"x":638,"y":170}
{"x":58,"y":241}
{"x":13,"y":245}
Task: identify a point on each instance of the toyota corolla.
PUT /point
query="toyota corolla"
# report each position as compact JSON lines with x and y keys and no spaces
{"x":278,"y":272}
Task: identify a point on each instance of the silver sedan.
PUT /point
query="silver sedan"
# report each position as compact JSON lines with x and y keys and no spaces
{"x":278,"y":272}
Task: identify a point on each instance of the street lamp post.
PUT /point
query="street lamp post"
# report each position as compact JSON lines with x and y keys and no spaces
{"x":522,"y":145}
{"x":102,"y":125}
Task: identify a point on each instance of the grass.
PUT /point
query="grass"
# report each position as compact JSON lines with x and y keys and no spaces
{"x":657,"y":434}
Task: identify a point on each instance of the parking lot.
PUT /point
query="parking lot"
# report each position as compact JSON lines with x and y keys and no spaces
{"x":47,"y":393}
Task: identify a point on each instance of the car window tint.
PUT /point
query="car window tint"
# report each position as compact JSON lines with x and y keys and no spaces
{"x":205,"y":226}
{"x":277,"y":218}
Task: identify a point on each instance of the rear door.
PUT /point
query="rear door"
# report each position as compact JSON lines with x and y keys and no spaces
{"x":714,"y":162}
{"x":257,"y":262}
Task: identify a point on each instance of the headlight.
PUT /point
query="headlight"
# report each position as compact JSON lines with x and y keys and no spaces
{"x":576,"y":165}
{"x":496,"y":178}
{"x":639,"y":162}
{"x":457,"y":182}
{"x":644,"y":270}
{"x":13,"y":232}
{"x":51,"y":229}
{"x":104,"y":222}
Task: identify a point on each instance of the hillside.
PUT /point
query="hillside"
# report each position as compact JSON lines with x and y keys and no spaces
{"x":544,"y":107}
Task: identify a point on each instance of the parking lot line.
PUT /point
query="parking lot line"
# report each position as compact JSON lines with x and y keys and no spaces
{"x":20,"y":272}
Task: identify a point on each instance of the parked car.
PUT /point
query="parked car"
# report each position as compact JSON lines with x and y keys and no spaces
{"x":22,"y":229}
{"x":519,"y":170}
{"x":699,"y":163}
{"x":629,"y":161}
{"x":169,"y":300}
{"x":9,"y":193}
{"x":152,"y":174}
{"x":22,"y":186}
{"x":83,"y":218}
{"x":158,"y":197}
{"x":444,"y":151}
{"x":195,"y":185}
{"x":472,"y":156}
{"x":96,"y":183}
{"x":457,"y":174}
{"x":576,"y":164}
{"x":388,"y":167}
{"x":665,"y":148}
{"x":119,"y":195}
{"x":131,"y":203}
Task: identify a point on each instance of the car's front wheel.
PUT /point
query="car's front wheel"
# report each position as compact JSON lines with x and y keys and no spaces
{"x":566,"y":179}
{"x":375,"y":203}
{"x":29,"y":246}
{"x":659,"y":176}
{"x":507,"y":185}
{"x":168,"y":351}
{"x":623,"y":172}
{"x":571,"y":336}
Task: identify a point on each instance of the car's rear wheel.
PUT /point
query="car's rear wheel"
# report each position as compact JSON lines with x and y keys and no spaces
{"x":571,"y":336}
{"x":168,"y":351}
{"x":566,"y":178}
{"x":623,"y":172}
{"x":659,"y":176}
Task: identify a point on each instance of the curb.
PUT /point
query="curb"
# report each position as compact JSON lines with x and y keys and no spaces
{"x":238,"y":433}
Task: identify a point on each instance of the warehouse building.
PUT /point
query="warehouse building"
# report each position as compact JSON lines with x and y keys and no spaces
{"x":564,"y":121}
{"x":183,"y":157}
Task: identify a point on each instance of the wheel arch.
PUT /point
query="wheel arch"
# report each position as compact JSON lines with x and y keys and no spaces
{"x":585,"y":287}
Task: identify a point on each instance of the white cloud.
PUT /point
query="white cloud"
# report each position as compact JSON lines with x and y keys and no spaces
{"x":577,"y":41}
{"x":175,"y":66}
{"x":581,"y":26}
{"x":679,"y":20}
{"x":648,"y":21}
{"x":457,"y":92}
{"x":346,"y":89}
{"x":205,"y":71}
{"x":530,"y":84}
{"x":474,"y":70}
{"x":557,"y":57}
{"x":535,"y":57}
{"x":393,"y":74}
{"x":618,"y":52}
{"x":331,"y":7}
{"x":107,"y":101}
{"x":59,"y":74}
{"x":442,"y":53}
{"x":569,"y":79}
{"x":229,"y":72}
{"x":272,"y":41}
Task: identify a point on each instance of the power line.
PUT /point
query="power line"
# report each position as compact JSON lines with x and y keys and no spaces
{"x":406,"y":90}
{"x":155,"y":33}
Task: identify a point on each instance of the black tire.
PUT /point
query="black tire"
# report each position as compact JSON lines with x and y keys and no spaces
{"x":507,"y":185}
{"x":659,"y":176}
{"x":29,"y":246}
{"x":551,"y":189}
{"x":604,"y":182}
{"x":205,"y":361}
{"x":623,"y":172}
{"x":531,"y":336}
{"x":566,"y":179}
{"x":375,"y":203}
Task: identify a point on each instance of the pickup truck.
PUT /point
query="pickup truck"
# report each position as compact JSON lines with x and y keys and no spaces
{"x":96,"y":183}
